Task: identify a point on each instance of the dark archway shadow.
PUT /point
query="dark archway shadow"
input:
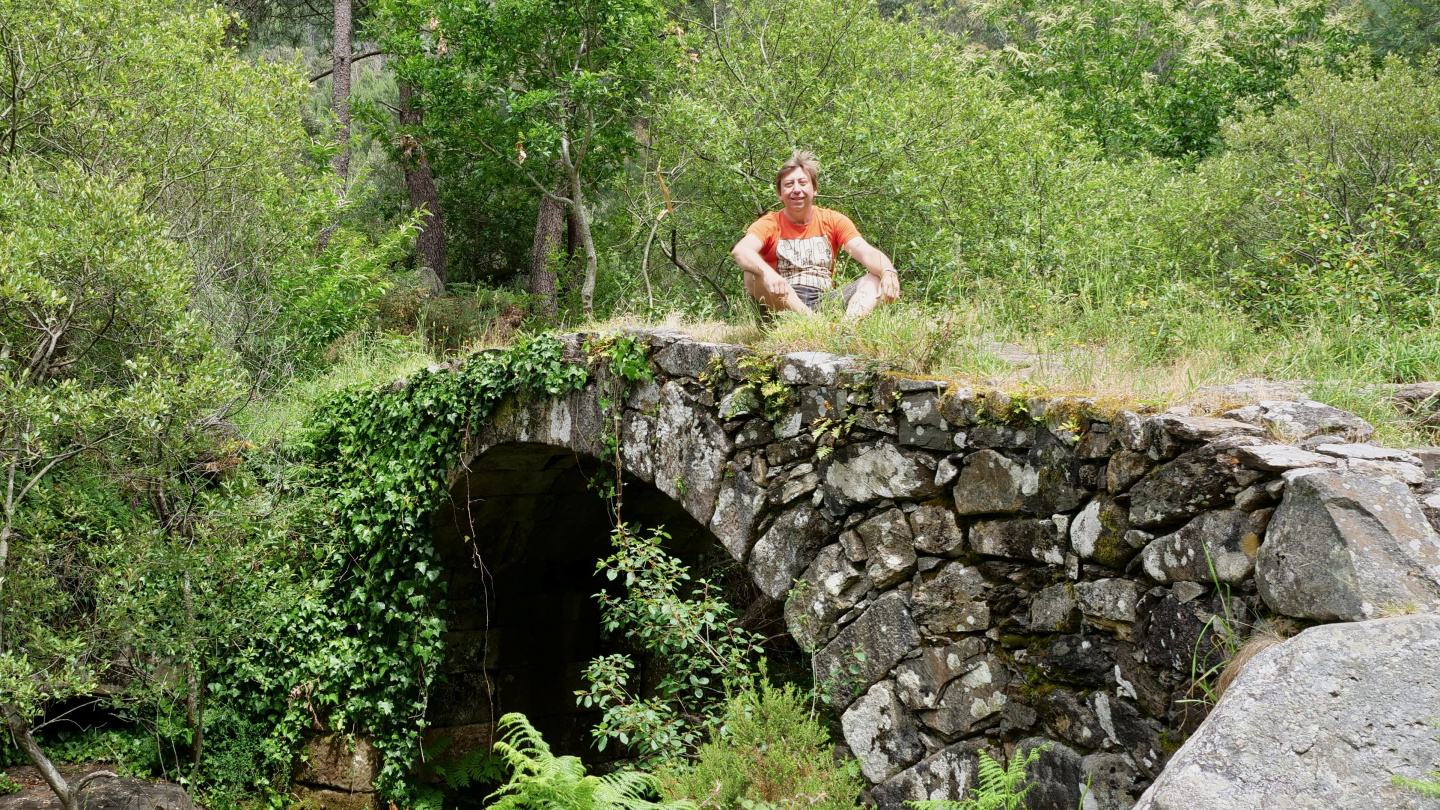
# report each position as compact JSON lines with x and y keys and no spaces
{"x":520,"y":541}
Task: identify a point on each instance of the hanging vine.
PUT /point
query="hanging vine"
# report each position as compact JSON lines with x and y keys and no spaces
{"x":364,"y":652}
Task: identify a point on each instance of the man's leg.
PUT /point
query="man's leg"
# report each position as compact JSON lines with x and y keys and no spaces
{"x":865,"y":298}
{"x":791,"y":302}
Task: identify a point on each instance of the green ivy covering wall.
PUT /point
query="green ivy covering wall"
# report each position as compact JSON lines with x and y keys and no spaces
{"x":363,"y":653}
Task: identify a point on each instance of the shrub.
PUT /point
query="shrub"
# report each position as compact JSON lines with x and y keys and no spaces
{"x":770,"y":751}
{"x":687,"y":629}
{"x":1335,"y":201}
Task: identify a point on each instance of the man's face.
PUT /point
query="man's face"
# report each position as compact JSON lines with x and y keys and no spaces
{"x":796,"y":191}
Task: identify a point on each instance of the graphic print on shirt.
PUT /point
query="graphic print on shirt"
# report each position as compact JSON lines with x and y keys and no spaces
{"x":806,"y":262}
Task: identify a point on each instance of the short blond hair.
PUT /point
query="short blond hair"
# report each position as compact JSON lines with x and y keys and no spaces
{"x":799,"y":159}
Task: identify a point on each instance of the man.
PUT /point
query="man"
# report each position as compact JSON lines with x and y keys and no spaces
{"x":789,"y":255}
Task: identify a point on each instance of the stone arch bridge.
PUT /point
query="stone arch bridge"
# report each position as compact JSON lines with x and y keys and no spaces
{"x":1013,"y":571}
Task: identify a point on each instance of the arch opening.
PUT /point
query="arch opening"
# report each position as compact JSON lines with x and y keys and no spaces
{"x":520,"y":540}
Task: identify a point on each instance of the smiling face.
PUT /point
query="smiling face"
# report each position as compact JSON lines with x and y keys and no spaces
{"x":797,"y":194}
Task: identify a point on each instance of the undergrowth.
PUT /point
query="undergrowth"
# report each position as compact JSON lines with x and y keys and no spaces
{"x":770,"y":751}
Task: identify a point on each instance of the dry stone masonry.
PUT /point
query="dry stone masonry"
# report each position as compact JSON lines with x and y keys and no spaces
{"x":973,"y":571}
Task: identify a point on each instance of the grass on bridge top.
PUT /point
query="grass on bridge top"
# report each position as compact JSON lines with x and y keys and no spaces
{"x":1137,"y":362}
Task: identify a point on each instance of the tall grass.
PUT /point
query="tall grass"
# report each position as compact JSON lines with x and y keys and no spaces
{"x":358,"y":360}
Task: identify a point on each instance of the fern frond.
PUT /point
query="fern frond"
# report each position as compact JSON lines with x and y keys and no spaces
{"x":1428,"y":787}
{"x":997,"y":788}
{"x":539,"y":780}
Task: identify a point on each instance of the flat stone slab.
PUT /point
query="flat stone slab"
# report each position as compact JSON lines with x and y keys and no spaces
{"x":1323,"y":720}
{"x":1281,"y":457}
{"x":1368,"y":452}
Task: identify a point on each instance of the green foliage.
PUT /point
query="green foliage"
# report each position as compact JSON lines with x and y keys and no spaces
{"x":539,"y":779}
{"x":540,"y":95}
{"x":1337,"y":206}
{"x":211,"y":146}
{"x":131,"y":751}
{"x":474,"y":768}
{"x":769,"y":751}
{"x":8,"y":785}
{"x":1157,"y":76}
{"x":99,"y":353}
{"x":999,"y":788}
{"x":690,"y":635}
{"x":761,"y":374}
{"x":1428,"y":786}
{"x":362,"y":643}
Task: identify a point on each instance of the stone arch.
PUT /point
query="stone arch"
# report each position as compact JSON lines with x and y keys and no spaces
{"x":519,"y":540}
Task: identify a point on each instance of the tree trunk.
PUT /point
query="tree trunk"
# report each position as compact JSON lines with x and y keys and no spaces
{"x":549,"y":228}
{"x":68,"y":794}
{"x":340,"y":88}
{"x":577,"y":208}
{"x":20,"y":732}
{"x":430,"y":244}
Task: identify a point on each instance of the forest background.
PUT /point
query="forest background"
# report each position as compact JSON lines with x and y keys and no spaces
{"x":214,"y":216}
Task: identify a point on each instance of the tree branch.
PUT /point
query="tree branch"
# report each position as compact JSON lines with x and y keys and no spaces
{"x":317,"y":77}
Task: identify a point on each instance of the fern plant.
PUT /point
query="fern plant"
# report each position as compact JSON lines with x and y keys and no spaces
{"x":539,"y":780}
{"x":999,"y":788}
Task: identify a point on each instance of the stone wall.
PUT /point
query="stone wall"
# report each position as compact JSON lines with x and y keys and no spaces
{"x":973,"y":571}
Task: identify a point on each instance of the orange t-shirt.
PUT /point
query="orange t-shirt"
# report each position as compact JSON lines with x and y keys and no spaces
{"x":804,"y":254}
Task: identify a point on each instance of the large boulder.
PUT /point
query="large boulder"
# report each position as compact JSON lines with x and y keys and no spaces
{"x":1323,"y":720}
{"x":137,"y":794}
{"x":1348,"y":547}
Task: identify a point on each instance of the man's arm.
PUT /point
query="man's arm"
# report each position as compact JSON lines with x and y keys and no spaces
{"x":878,"y":264}
{"x":747,"y":254}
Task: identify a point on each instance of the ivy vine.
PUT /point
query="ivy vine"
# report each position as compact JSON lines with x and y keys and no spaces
{"x":364,"y":655}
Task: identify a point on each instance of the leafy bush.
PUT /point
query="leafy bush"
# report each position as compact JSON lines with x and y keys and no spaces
{"x":1335,"y":200}
{"x":692,"y":638}
{"x":1152,"y":75}
{"x":8,"y":785}
{"x":769,"y":751}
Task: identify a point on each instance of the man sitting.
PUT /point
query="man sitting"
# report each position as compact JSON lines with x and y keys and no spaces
{"x":789,"y":255}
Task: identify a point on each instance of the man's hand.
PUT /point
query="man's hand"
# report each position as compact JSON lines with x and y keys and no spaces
{"x":775,"y":284}
{"x":889,"y":286}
